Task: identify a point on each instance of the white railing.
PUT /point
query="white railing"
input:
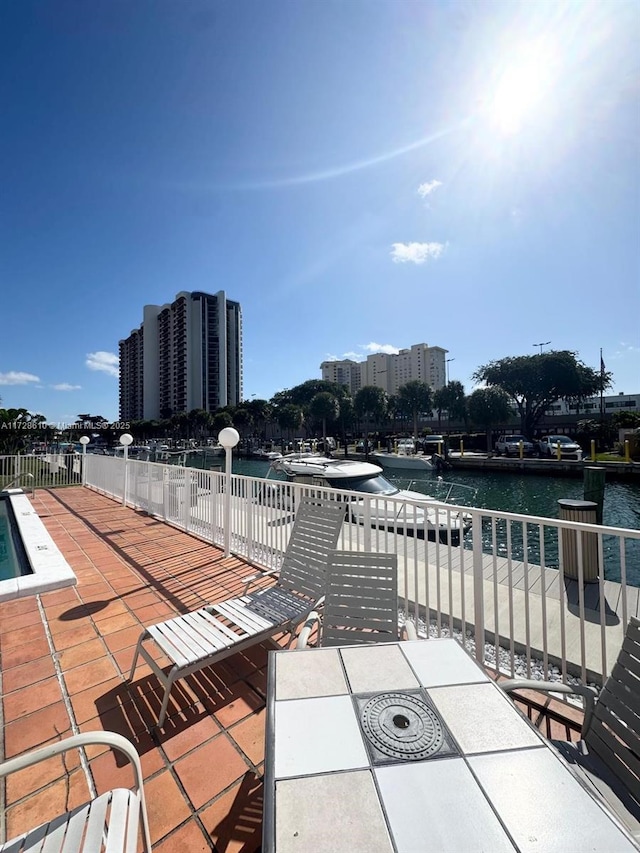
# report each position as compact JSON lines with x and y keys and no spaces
{"x":40,"y":471}
{"x":517,"y":578}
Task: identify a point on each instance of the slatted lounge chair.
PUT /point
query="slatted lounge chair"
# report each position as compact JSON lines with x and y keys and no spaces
{"x":110,"y":822}
{"x":202,"y":637}
{"x":361,"y":602}
{"x":607,"y":759}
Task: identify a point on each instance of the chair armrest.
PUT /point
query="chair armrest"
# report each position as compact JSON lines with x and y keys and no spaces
{"x":112,"y":739}
{"x":251,"y":578}
{"x":588,"y":693}
{"x":303,"y":637}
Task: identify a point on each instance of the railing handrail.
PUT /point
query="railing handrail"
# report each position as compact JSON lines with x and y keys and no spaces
{"x":513,"y":578}
{"x":17,"y":479}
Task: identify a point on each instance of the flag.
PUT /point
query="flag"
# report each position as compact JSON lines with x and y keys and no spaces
{"x":602,"y":367}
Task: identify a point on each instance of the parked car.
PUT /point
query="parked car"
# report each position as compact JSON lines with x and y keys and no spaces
{"x":569,"y":449}
{"x":406,"y":445}
{"x":510,"y":445}
{"x":360,"y":446}
{"x":431,"y":444}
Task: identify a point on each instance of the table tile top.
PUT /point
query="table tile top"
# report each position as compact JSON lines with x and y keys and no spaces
{"x":321,"y":675}
{"x":316,"y":736}
{"x":417,"y":796}
{"x":466,"y":710}
{"x":542,"y":806}
{"x":439,"y":663}
{"x":373,"y":668}
{"x":503,"y":788}
{"x":339,"y":812}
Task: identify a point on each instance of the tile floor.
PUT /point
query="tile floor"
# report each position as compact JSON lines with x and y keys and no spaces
{"x":65,"y":657}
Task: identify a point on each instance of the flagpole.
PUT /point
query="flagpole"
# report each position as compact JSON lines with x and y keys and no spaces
{"x":601,"y":387}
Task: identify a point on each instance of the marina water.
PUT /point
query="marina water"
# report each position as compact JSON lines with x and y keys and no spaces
{"x":528,"y":494}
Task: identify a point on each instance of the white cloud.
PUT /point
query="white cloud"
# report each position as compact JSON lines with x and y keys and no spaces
{"x":388,"y":349}
{"x":416,"y":253}
{"x":427,"y":188}
{"x":365,"y":350}
{"x":17,"y":377}
{"x":64,"y":386}
{"x":107,"y":362}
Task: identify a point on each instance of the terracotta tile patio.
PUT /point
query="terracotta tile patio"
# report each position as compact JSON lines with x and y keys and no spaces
{"x":65,"y":657}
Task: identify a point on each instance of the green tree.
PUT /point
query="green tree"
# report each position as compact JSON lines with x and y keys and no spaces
{"x":220,"y":421}
{"x":14,"y":438}
{"x":451,"y":398}
{"x":536,"y":382}
{"x":489,"y":407}
{"x":180,"y":424}
{"x":415,"y":396}
{"x":199,"y":421}
{"x":290,"y":417}
{"x":394,"y":410}
{"x":261,"y":413}
{"x":242,"y":419}
{"x":370,"y":404}
{"x":302,"y":395}
{"x":324,"y":407}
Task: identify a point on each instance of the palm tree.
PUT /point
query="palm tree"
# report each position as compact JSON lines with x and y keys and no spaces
{"x":452,"y":398}
{"x":290,"y":417}
{"x":415,"y":396}
{"x":370,"y":404}
{"x":324,"y":407}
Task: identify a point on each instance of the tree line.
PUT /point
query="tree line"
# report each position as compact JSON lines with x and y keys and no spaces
{"x":530,"y":384}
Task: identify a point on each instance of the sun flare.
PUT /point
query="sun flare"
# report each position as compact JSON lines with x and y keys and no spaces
{"x":521,"y":87}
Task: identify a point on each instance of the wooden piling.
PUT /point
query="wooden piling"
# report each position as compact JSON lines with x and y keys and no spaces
{"x":594,"y":489}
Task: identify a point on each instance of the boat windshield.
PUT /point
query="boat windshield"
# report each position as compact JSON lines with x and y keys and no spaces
{"x":372,"y":485}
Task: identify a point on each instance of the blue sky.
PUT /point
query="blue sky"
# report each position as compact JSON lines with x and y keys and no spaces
{"x":361,"y":175}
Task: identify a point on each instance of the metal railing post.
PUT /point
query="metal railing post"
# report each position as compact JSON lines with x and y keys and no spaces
{"x":478,"y":584}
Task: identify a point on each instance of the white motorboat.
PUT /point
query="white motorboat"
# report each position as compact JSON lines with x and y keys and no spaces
{"x":267,"y":455}
{"x":403,"y":460}
{"x":387,"y":506}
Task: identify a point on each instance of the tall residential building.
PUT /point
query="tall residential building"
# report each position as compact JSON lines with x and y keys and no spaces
{"x":186,"y":355}
{"x":390,"y":371}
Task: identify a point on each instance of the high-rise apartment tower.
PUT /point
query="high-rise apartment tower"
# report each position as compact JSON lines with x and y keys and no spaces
{"x":186,"y":355}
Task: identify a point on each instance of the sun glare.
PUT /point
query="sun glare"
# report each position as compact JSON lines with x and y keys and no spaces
{"x":521,"y":88}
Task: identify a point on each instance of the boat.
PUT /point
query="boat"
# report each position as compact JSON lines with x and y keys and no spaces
{"x":268,"y":455}
{"x":421,"y":513}
{"x":403,"y":460}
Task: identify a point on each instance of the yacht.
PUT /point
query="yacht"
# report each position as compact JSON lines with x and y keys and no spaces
{"x":420,"y":513}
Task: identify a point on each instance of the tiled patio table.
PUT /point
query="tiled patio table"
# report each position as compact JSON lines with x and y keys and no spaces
{"x":411,"y":747}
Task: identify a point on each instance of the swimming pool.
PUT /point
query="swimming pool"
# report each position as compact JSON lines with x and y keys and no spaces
{"x":30,"y":561}
{"x":13,"y":559}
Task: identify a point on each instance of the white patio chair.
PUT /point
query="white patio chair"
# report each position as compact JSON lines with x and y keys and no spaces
{"x":200,"y":638}
{"x":607,"y":758}
{"x":110,"y":822}
{"x":361,"y":602}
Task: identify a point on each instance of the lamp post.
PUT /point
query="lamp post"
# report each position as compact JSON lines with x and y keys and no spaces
{"x":446,"y":369}
{"x":228,"y":438}
{"x":84,"y":440}
{"x":542,"y":344}
{"x":125,"y":440}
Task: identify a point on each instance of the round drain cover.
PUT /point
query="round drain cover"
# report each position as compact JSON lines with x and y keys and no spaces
{"x":402,"y":726}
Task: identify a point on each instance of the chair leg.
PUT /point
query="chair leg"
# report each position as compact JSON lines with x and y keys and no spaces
{"x":143,"y":637}
{"x":171,"y":679}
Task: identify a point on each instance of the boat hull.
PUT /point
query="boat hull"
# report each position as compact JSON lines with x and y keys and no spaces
{"x":400,"y":460}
